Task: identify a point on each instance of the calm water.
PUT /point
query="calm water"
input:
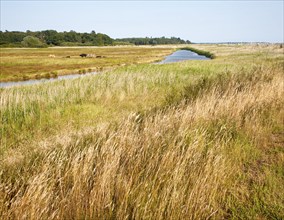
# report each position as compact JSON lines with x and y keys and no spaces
{"x":36,"y":81}
{"x":182,"y":55}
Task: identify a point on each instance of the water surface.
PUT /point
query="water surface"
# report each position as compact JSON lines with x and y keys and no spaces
{"x":36,"y":81}
{"x":182,"y":55}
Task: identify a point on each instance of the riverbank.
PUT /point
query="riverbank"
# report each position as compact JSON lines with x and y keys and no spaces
{"x":200,"y":52}
{"x":177,"y":56}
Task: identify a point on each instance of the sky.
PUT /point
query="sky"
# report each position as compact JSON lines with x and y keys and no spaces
{"x":197,"y":21}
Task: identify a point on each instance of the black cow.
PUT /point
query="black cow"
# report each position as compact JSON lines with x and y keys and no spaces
{"x":83,"y":55}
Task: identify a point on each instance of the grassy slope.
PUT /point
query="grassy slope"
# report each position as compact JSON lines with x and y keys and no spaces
{"x":189,"y":140}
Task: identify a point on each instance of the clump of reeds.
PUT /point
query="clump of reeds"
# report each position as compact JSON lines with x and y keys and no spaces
{"x":200,"y":52}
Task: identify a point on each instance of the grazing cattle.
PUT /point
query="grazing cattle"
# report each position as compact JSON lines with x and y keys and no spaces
{"x":91,"y":55}
{"x":83,"y":55}
{"x":98,"y":56}
{"x":68,"y":56}
{"x":87,"y":55}
{"x":51,"y":55}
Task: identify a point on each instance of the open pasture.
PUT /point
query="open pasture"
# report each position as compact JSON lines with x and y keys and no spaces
{"x":26,"y":63}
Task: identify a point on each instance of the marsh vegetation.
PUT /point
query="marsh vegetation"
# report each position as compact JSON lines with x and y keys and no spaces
{"x":29,"y":63}
{"x":189,"y":140}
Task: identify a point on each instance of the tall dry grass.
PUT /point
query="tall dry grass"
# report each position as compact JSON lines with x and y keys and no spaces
{"x":186,"y":161}
{"x":211,"y":148}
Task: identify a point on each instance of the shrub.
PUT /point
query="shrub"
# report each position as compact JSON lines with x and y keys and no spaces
{"x":25,"y":77}
{"x":54,"y":74}
{"x":30,"y":41}
{"x":47,"y":75}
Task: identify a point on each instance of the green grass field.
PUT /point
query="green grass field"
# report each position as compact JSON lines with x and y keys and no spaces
{"x":188,"y":140}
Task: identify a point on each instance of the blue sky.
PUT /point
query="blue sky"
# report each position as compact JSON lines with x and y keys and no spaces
{"x":197,"y":21}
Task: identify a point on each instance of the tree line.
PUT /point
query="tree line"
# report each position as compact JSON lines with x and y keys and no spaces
{"x":49,"y":38}
{"x":53,"y":38}
{"x":153,"y":41}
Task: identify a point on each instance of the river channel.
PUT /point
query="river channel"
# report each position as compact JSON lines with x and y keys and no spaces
{"x":177,"y":56}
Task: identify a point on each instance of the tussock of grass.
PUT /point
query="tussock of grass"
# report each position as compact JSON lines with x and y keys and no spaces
{"x":200,"y":52}
{"x":183,"y":141}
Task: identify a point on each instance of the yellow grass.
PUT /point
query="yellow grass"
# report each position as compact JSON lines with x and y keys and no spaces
{"x":22,"y":63}
{"x":192,"y":140}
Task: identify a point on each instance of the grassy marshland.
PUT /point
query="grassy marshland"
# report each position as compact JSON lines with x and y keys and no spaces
{"x":26,"y":63}
{"x":190,"y":140}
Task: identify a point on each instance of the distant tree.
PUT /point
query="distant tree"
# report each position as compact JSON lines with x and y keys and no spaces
{"x":152,"y":41}
{"x":30,"y":41}
{"x":52,"y":37}
{"x":86,"y":38}
{"x":73,"y":38}
{"x":11,"y":37}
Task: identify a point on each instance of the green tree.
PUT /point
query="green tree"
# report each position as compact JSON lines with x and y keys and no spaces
{"x":52,"y":37}
{"x":100,"y":40}
{"x":30,"y":41}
